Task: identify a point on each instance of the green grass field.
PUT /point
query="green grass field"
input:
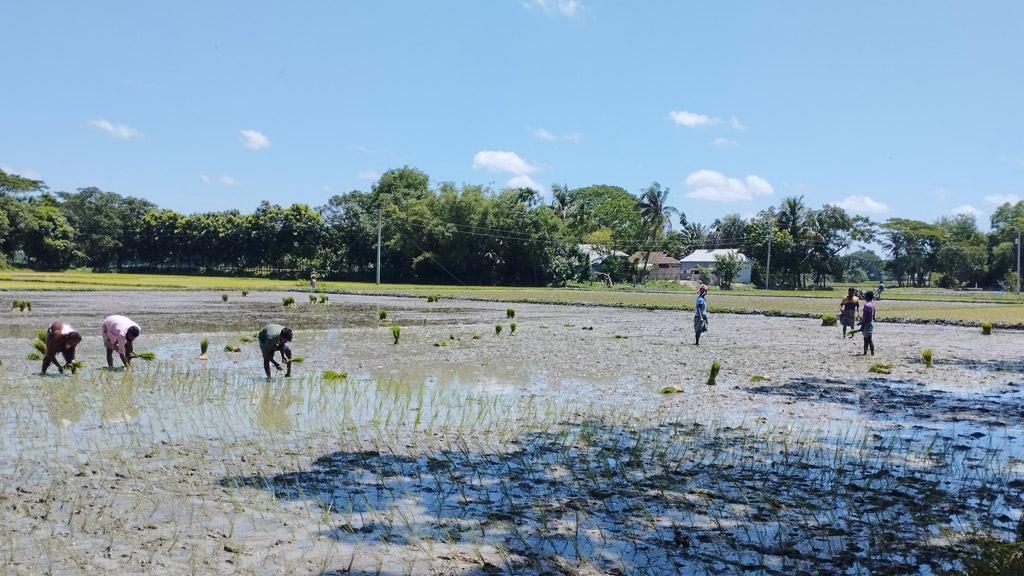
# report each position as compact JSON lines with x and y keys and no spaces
{"x":919,"y":305}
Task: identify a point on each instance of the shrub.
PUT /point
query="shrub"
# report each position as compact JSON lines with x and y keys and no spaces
{"x":512,"y":328}
{"x":497,"y":329}
{"x":396,"y":332}
{"x":828,"y":320}
{"x":223,"y":297}
{"x":510,"y":313}
{"x":288,"y":301}
{"x":926,"y":355}
{"x":382,"y":314}
{"x":713,"y":376}
{"x":986,"y":328}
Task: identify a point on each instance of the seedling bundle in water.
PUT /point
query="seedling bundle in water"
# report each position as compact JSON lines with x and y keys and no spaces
{"x":39,"y":345}
{"x":223,"y":297}
{"x":715,"y":367}
{"x":332,"y":375}
{"x":512,"y":328}
{"x":296,"y":360}
{"x":323,"y":299}
{"x":204,"y":344}
{"x":147,"y":356}
{"x":232,"y":348}
{"x":245,"y":292}
{"x":312,"y":298}
{"x":382,"y":314}
{"x":926,"y":355}
{"x":880,"y":368}
{"x":288,"y":301}
{"x":510,"y":313}
{"x":497,"y":329}
{"x":396,"y":332}
{"x":21,"y":305}
{"x":986,"y":327}
{"x":828,"y":320}
{"x":433,"y":298}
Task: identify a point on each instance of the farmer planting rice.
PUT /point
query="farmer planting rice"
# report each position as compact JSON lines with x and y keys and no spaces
{"x":275,"y":338}
{"x":119,"y":333}
{"x":867,"y":323}
{"x":700,"y":314}
{"x":61,"y":338}
{"x":848,"y":309}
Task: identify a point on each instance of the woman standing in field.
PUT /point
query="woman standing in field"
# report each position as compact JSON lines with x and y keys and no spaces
{"x":867,"y":323}
{"x":848,"y":309}
{"x":312,"y":280}
{"x":63,"y":339}
{"x":700,"y":314}
{"x":275,"y":338}
{"x":119,"y":333}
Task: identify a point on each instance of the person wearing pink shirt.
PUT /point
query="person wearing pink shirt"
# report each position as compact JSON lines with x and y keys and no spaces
{"x":118,"y":334}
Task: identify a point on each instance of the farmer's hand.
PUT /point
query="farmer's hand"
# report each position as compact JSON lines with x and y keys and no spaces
{"x":276,"y":365}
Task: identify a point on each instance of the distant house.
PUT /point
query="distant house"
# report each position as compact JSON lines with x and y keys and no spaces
{"x":704,"y":260}
{"x":597,"y":255}
{"x":660,"y":266}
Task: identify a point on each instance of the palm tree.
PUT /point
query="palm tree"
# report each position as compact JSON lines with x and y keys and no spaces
{"x":793,"y":216}
{"x":562,"y":201}
{"x":656,"y":215}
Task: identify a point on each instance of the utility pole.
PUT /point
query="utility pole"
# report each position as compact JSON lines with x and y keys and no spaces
{"x":768,"y":273}
{"x":1018,"y":260}
{"x":380,"y":220}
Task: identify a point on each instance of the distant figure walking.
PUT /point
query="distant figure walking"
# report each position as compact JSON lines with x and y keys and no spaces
{"x":61,"y":338}
{"x":849,"y":308}
{"x":700,"y":314}
{"x":881,"y":288}
{"x":312,"y":281}
{"x":119,"y":333}
{"x":275,"y":338}
{"x":867,"y":323}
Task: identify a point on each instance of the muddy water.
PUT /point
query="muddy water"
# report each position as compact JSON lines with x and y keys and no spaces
{"x":454,"y":396}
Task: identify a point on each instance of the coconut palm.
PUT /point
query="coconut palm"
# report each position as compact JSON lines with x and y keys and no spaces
{"x":656,"y":215}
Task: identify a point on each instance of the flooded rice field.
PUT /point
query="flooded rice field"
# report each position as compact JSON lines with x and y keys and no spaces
{"x":462,"y":450}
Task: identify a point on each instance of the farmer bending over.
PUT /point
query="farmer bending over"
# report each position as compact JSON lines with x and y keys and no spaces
{"x":61,"y":338}
{"x":119,"y":333}
{"x":274,"y":338}
{"x":867,"y":323}
{"x":848,"y":308}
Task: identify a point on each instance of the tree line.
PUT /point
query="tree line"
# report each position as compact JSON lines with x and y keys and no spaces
{"x":470,"y":234}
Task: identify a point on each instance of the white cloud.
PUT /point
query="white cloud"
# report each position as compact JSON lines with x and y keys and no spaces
{"x":568,"y":8}
{"x":223,"y":180}
{"x":119,"y":131}
{"x":524,"y":181}
{"x":999,"y":199}
{"x":255,"y":140}
{"x":501,"y":161}
{"x":966,"y":209}
{"x":862,"y":205}
{"x":542,"y":134}
{"x":715,"y":186}
{"x":369,"y":175}
{"x":724,"y":142}
{"x":691,"y":119}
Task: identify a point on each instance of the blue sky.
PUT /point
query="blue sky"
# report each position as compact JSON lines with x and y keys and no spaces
{"x":908,"y":109}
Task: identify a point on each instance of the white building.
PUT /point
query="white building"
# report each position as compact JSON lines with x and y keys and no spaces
{"x":705,"y":260}
{"x":597,"y":255}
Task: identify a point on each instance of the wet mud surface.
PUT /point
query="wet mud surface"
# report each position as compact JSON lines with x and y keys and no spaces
{"x":463,"y":451}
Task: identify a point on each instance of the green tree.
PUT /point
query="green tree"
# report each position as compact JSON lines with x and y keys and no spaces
{"x":727,"y":266}
{"x":657,"y":217}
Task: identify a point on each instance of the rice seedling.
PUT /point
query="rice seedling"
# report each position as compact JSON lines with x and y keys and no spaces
{"x":382,"y":314}
{"x":204,"y":344}
{"x":223,"y":297}
{"x":246,"y":339}
{"x":41,"y":335}
{"x":759,"y":378}
{"x":497,"y":329}
{"x":396,"y":332}
{"x":880,"y":368}
{"x":673,"y":389}
{"x":287,"y":301}
{"x":476,"y":336}
{"x":21,"y":305}
{"x":34,"y":355}
{"x":926,"y":355}
{"x":451,"y":336}
{"x":620,"y":337}
{"x":147,"y":356}
{"x":512,"y":328}
{"x":713,"y":375}
{"x":39,"y":345}
{"x":312,"y":298}
{"x":76,"y":365}
{"x":323,"y":299}
{"x":828,"y":320}
{"x":986,"y":328}
{"x":510,"y":313}
{"x":232,"y":348}
{"x":296,"y":360}
{"x":440,"y":344}
{"x":332,"y":375}
{"x":433,"y":298}
{"x":245,"y":293}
